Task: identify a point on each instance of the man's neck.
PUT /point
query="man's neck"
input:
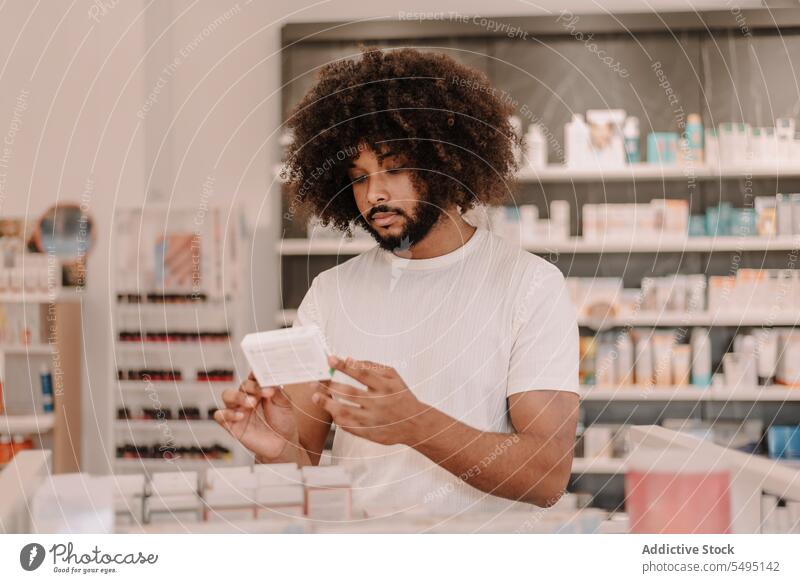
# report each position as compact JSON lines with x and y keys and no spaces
{"x":447,"y":235}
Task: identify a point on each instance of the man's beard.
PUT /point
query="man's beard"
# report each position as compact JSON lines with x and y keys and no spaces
{"x":415,"y":229}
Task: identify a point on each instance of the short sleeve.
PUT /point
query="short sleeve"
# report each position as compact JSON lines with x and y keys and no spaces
{"x":309,"y":311}
{"x":545,"y":352}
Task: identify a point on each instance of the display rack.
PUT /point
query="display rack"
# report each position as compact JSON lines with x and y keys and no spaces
{"x":700,"y":185}
{"x":176,"y":338}
{"x":573,"y":245}
{"x":58,"y":350}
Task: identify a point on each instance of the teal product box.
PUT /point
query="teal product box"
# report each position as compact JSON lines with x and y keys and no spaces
{"x":783,"y":442}
{"x":718,"y":220}
{"x":662,"y":148}
{"x":697,"y":226}
{"x":743,"y":222}
{"x":694,"y":135}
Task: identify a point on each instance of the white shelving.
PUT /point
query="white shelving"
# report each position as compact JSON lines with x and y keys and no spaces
{"x":557,"y":173}
{"x":66,"y":295}
{"x":610,"y":466}
{"x":198,"y":425}
{"x":718,"y":318}
{"x":28,"y":349}
{"x":644,"y":171}
{"x":572,"y":245}
{"x":202,"y":335}
{"x":214,"y":387}
{"x":159,"y":464}
{"x":668,"y":319}
{"x":27,"y":424}
{"x":775,"y":394}
{"x":194,"y":347}
{"x":323,"y":246}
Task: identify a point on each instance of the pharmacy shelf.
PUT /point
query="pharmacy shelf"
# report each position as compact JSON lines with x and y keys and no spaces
{"x":160,"y":464}
{"x":573,"y":245}
{"x":28,"y":350}
{"x":608,"y":466}
{"x":718,"y":318}
{"x":144,"y":387}
{"x":559,"y":173}
{"x":173,"y":424}
{"x":27,"y":424}
{"x":775,"y":394}
{"x":193,"y":347}
{"x":285,"y":317}
{"x":66,"y":295}
{"x":323,"y":246}
{"x":671,"y":319}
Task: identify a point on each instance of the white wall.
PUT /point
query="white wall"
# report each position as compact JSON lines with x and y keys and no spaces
{"x":217,"y":112}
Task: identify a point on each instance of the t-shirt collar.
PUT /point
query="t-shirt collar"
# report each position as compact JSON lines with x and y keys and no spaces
{"x":440,"y":261}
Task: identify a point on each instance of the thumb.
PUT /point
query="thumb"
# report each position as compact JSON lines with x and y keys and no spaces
{"x":275,"y":396}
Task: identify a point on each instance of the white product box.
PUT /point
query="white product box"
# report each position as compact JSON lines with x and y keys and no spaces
{"x":280,"y":500}
{"x":229,"y":503}
{"x":598,"y":442}
{"x":327,"y":495}
{"x":290,"y":355}
{"x":172,"y":497}
{"x":277,"y":475}
{"x":221,"y":478}
{"x":128,"y":492}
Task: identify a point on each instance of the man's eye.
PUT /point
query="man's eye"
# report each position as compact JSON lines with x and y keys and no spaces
{"x":395,"y":170}
{"x":359,"y":178}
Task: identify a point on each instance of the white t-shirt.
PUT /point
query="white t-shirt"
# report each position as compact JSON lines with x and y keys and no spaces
{"x":464,"y":330}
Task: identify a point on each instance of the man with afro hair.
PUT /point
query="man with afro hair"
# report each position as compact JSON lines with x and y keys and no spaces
{"x":462,"y":348}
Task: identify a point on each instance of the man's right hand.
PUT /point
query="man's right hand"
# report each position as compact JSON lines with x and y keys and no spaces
{"x":262,"y":419}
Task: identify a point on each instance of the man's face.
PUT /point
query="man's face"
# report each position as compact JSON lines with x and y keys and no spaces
{"x":391,"y":208}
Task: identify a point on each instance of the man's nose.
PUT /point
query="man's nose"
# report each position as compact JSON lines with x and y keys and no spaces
{"x":376,"y":190}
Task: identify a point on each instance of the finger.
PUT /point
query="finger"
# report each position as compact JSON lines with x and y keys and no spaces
{"x":234,"y":398}
{"x":277,"y":397}
{"x":250,"y":386}
{"x":227,"y":416}
{"x":372,"y":374}
{"x":349,"y":392}
{"x":342,"y":414}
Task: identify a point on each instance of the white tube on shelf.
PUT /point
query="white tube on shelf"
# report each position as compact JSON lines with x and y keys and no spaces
{"x":701,"y":357}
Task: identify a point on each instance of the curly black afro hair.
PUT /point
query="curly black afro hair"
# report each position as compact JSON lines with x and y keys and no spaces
{"x":443,"y":118}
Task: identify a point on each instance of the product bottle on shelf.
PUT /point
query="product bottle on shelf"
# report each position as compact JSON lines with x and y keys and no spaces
{"x":701,"y":357}
{"x":536,"y":147}
{"x":630,"y":131}
{"x":643,"y":365}
{"x":46,"y":380}
{"x":625,"y":359}
{"x":577,"y":140}
{"x":694,"y":136}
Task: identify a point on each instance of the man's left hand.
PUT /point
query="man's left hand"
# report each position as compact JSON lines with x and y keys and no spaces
{"x":387,"y":412}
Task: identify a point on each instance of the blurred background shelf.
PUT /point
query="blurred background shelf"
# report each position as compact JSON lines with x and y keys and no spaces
{"x":28,"y":349}
{"x":668,"y":319}
{"x":644,"y":171}
{"x":770,"y":393}
{"x":610,"y":466}
{"x":558,"y":173}
{"x":572,"y":245}
{"x":175,"y":386}
{"x":718,"y":318}
{"x":27,"y":424}
{"x":162,"y":465}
